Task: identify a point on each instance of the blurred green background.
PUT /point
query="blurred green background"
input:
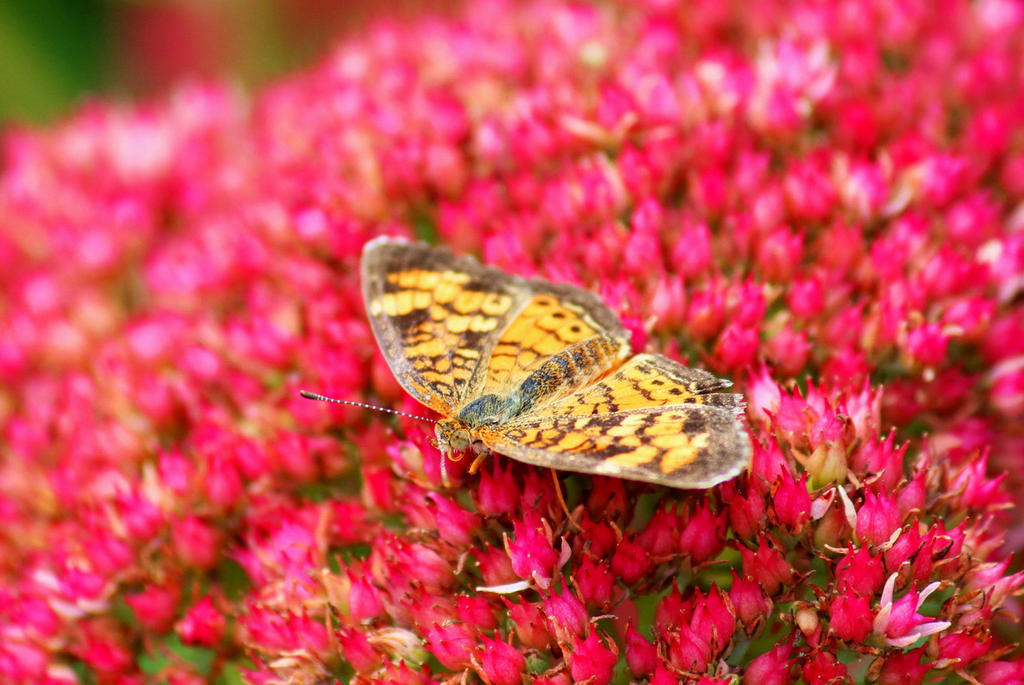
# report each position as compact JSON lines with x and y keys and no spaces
{"x":56,"y":53}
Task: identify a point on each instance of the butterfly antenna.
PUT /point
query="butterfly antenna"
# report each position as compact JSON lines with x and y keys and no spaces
{"x":324,"y":398}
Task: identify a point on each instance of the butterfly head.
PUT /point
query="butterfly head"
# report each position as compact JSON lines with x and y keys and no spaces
{"x":452,"y":436}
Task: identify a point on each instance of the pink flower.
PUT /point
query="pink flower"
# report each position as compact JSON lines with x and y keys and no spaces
{"x":898,"y":622}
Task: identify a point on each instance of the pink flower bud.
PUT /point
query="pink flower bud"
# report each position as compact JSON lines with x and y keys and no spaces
{"x":496,"y":492}
{"x":596,"y":582}
{"x":766,"y":565}
{"x":788,"y":351}
{"x":223,"y":483}
{"x":714,"y":618}
{"x":772,"y":667}
{"x":706,"y":313}
{"x":688,"y":650}
{"x":364,"y":599}
{"x":105,"y":654}
{"x":926,"y":345}
{"x":591,"y":661}
{"x":198,"y":543}
{"x":452,"y":644}
{"x":859,"y":573}
{"x":567,"y":617}
{"x":824,"y":668}
{"x":533,"y":556}
{"x":749,"y":602}
{"x":630,"y":561}
{"x":155,"y":607}
{"x":477,"y":611}
{"x":999,"y":672}
{"x":691,"y":255}
{"x":500,"y":663}
{"x":877,"y":519}
{"x":791,"y":502}
{"x":737,"y":347}
{"x":702,"y":535}
{"x":454,"y":524}
{"x":904,"y":668}
{"x":779,"y":254}
{"x":530,"y":624}
{"x":661,"y":535}
{"x":203,"y":624}
{"x":357,"y":650}
{"x":495,"y":566}
{"x":963,"y":648}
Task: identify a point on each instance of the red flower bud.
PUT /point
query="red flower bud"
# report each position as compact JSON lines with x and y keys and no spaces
{"x":772,"y":667}
{"x":630,"y":561}
{"x":641,"y":655}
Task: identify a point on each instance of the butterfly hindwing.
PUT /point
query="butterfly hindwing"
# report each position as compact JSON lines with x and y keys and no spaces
{"x":683,"y":446}
{"x":554,"y":318}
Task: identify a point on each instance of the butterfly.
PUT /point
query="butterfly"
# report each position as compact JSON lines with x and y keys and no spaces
{"x":543,"y":373}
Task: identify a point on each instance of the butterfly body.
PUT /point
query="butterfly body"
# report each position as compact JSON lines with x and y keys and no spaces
{"x":543,"y":373}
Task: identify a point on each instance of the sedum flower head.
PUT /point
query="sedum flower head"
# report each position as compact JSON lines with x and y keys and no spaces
{"x":819,"y":200}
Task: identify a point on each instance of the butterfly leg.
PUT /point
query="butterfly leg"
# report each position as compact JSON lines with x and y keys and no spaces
{"x":481,"y":454}
{"x":561,"y":500}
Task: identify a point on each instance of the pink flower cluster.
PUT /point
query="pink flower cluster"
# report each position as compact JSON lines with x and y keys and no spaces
{"x":821,"y":201}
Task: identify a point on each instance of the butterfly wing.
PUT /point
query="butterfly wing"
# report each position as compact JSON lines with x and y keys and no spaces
{"x":651,"y":420}
{"x":648,"y":380}
{"x":553,"y":318}
{"x":682,"y":446}
{"x":435,"y":316}
{"x":452,"y":329}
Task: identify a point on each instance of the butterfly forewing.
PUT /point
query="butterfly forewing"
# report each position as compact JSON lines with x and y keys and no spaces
{"x":435,"y":316}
